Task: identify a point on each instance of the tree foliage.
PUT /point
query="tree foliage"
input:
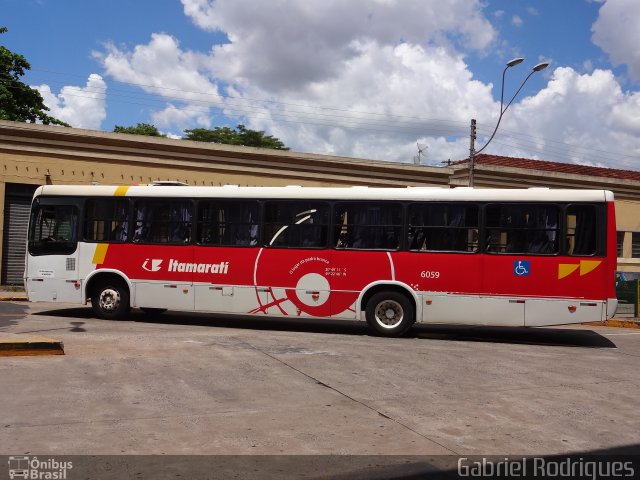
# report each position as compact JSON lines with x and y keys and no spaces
{"x":239,"y":135}
{"x":140,"y":129}
{"x":18,"y":101}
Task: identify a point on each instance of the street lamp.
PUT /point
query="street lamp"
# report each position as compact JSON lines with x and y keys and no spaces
{"x":472,"y":151}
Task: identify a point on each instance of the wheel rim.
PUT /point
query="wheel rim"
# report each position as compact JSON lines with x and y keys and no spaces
{"x":109,"y":300}
{"x":389,"y":314}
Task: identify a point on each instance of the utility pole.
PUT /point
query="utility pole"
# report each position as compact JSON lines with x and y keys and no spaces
{"x":472,"y":150}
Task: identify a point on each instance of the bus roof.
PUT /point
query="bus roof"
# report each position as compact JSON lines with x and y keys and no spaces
{"x":333,"y":193}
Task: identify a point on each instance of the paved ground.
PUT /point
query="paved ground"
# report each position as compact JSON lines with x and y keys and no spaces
{"x":196,"y":384}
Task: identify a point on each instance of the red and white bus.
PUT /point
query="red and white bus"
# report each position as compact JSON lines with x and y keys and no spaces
{"x":390,"y":256}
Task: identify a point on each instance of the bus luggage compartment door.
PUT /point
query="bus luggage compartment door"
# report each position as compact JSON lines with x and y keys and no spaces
{"x":169,"y":295}
{"x":561,"y":312}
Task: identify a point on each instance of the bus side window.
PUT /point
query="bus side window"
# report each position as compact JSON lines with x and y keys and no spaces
{"x":443,"y":227}
{"x":106,"y":220}
{"x":162,"y":222}
{"x":299,"y":224}
{"x":581,"y":230}
{"x":373,"y":226}
{"x":229,"y":223}
{"x":519,"y":228}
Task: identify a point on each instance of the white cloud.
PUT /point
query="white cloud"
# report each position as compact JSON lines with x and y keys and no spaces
{"x":81,"y":107}
{"x":616,"y":32}
{"x":282,"y":45}
{"x":516,"y":21}
{"x":585,"y":119}
{"x":369,"y":79}
{"x":160,"y":67}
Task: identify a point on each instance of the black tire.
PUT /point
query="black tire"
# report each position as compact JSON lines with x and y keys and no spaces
{"x":390,"y":314}
{"x":153,"y":311}
{"x":111,"y":300}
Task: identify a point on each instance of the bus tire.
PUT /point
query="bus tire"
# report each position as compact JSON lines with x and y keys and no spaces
{"x":110,"y":300}
{"x":153,"y":311}
{"x":390,"y":313}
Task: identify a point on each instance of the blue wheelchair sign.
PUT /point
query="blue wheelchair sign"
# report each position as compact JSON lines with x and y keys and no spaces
{"x":521,"y":268}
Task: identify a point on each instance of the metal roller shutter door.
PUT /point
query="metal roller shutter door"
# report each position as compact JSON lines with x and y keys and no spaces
{"x":14,"y":244}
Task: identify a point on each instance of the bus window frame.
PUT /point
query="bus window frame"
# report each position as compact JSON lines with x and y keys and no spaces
{"x":262,"y":237}
{"x":57,"y":201}
{"x":129,"y":202}
{"x":159,"y":199}
{"x":196,"y":221}
{"x":478,"y":227}
{"x":560,"y":229}
{"x":333,"y":240}
{"x":600,"y":228}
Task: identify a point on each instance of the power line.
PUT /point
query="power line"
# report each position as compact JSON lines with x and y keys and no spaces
{"x":372,"y":121}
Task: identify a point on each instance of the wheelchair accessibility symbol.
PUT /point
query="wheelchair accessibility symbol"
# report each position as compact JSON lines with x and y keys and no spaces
{"x":521,"y":268}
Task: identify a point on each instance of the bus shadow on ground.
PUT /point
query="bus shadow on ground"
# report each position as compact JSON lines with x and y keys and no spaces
{"x":562,"y":337}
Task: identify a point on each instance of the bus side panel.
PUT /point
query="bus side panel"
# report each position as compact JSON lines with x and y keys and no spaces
{"x":53,"y":278}
{"x":539,"y":312}
{"x":350,"y":272}
{"x":161,"y":275}
{"x":472,"y":310}
{"x":294,"y":281}
{"x":232,"y":291}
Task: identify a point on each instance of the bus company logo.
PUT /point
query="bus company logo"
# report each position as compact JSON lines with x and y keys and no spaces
{"x":155,"y":265}
{"x":33,"y":468}
{"x":221,"y":268}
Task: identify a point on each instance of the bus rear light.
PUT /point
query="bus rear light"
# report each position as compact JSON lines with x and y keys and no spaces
{"x":572,"y":308}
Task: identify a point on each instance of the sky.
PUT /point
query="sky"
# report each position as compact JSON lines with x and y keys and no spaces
{"x":377,"y":79}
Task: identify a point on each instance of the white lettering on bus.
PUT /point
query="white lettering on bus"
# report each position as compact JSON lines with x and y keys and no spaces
{"x":176,"y":266}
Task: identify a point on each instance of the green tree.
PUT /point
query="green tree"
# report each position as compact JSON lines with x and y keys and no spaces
{"x":239,"y":135}
{"x":18,"y":101}
{"x":140,"y":129}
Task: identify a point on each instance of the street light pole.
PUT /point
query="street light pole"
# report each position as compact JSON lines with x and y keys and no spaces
{"x":472,"y":151}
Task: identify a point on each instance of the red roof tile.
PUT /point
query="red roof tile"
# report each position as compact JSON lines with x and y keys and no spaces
{"x":568,"y":168}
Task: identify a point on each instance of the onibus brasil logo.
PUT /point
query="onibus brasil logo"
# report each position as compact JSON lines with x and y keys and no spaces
{"x":34,"y":468}
{"x":155,"y":265}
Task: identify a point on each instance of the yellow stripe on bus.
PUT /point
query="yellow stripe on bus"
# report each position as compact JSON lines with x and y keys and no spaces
{"x":121,"y":191}
{"x":100,"y":253}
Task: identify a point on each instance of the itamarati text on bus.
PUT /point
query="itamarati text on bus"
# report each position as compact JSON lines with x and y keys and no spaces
{"x":387,"y":256}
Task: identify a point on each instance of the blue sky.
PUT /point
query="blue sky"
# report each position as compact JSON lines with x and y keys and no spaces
{"x":364,"y":78}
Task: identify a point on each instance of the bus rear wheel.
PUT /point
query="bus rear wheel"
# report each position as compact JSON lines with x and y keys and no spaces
{"x":110,"y":300}
{"x":390,"y":314}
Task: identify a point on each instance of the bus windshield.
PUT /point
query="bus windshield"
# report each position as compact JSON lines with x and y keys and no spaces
{"x":53,"y":229}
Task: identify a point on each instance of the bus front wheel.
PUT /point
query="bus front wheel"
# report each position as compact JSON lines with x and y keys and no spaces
{"x":110,"y":300}
{"x":390,"y":314}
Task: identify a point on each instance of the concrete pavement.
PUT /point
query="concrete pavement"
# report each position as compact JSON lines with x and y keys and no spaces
{"x":14,"y":344}
{"x":203,"y":384}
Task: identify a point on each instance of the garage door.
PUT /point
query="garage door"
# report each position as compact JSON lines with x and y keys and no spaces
{"x":16,"y":220}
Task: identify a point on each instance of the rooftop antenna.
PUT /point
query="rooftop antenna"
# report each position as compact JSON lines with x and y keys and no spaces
{"x":418,"y":158}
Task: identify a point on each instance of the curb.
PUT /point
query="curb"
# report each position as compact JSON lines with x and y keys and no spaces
{"x":622,"y":323}
{"x":13,"y":299}
{"x":12,"y":345}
